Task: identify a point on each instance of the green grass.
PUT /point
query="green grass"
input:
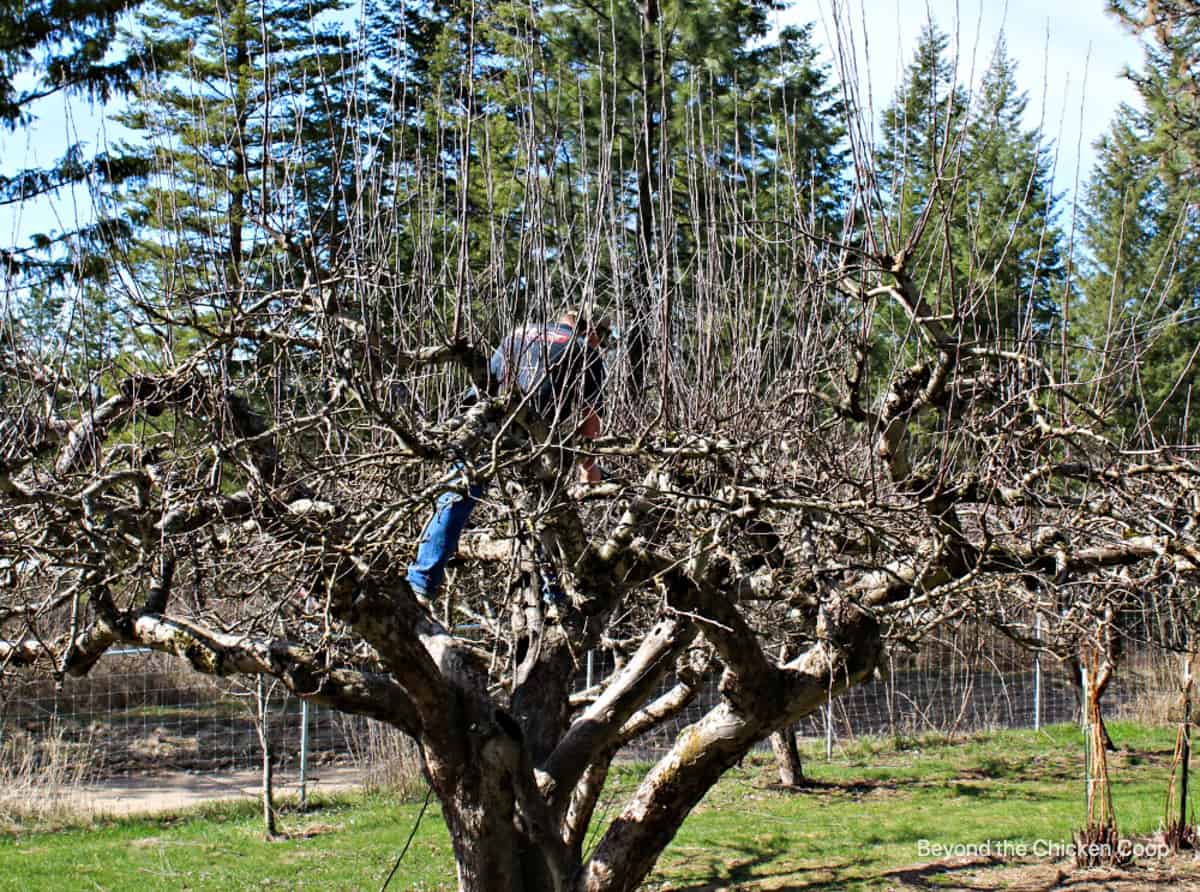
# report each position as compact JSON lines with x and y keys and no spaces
{"x":342,"y":844}
{"x":866,"y":815}
{"x":216,"y":707}
{"x":861,"y":820}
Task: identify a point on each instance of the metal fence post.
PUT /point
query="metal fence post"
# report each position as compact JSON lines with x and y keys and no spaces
{"x":828,"y":732}
{"x":591,"y":661}
{"x":1037,"y":675}
{"x":1087,"y":743}
{"x":303,"y":755}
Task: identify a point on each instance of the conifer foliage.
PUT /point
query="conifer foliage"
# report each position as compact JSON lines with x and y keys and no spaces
{"x":1140,"y":315}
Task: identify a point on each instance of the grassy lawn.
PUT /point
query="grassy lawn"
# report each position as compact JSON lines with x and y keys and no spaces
{"x":860,"y":821}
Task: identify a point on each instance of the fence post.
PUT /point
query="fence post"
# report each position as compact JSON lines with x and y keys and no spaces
{"x":1087,"y":749}
{"x":591,"y":661}
{"x":1185,"y":735}
{"x":303,"y":755}
{"x":1037,"y":675}
{"x":828,"y":731}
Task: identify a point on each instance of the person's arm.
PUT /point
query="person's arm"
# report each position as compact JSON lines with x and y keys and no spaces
{"x":589,"y":470}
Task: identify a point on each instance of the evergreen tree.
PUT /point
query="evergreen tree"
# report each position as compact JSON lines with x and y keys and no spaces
{"x":448,"y":94}
{"x":1011,"y":258}
{"x":915,"y":161}
{"x":693,"y":104}
{"x":67,"y":43}
{"x":1140,"y":315}
{"x":968,"y":188}
{"x":243,"y":137}
{"x":1169,"y":81}
{"x":60,"y":48}
{"x":920,"y":139}
{"x":548,"y":128}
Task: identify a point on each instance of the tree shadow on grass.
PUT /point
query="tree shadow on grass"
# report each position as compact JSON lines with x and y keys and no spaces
{"x":851,"y":787}
{"x":974,"y":784}
{"x":743,"y":864}
{"x":752,"y":865}
{"x":940,"y":874}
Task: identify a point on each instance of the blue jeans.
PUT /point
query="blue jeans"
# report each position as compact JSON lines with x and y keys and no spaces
{"x":439,"y":541}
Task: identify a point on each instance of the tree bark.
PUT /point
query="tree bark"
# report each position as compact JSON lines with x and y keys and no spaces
{"x":268,"y":769}
{"x":787,"y":757}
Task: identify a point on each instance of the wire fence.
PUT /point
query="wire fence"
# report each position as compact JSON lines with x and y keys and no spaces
{"x":956,"y":686}
{"x":142,"y":712}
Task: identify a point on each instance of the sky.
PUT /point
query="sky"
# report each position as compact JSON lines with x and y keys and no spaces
{"x":1069,"y":60}
{"x":1069,"y":57}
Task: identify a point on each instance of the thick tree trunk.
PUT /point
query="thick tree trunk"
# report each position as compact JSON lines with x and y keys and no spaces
{"x":787,"y":757}
{"x":503,"y":838}
{"x":492,"y":851}
{"x":540,"y":701}
{"x":479,"y":803}
{"x":485,"y":846}
{"x":757,"y":699}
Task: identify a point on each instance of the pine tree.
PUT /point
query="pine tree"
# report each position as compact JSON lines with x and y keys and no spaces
{"x":920,"y":138}
{"x":693,"y":104}
{"x":1169,"y":81}
{"x":448,"y":93}
{"x":1140,"y":316}
{"x":67,"y":43}
{"x":1011,"y":257}
{"x":968,"y":188}
{"x":546,"y":128}
{"x":61,"y":48}
{"x":919,"y":150}
{"x":242,"y":134}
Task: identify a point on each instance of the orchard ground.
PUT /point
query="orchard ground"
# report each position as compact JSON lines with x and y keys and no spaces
{"x":982,"y":812}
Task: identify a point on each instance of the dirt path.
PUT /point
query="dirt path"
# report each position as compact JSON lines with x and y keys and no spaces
{"x":171,"y":791}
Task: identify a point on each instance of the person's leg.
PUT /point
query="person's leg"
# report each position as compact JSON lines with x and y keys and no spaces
{"x":439,"y":541}
{"x":552,"y":592}
{"x":546,"y":546}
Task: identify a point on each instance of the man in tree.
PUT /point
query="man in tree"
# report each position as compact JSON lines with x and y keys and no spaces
{"x":787,"y":512}
{"x":549,"y":366}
